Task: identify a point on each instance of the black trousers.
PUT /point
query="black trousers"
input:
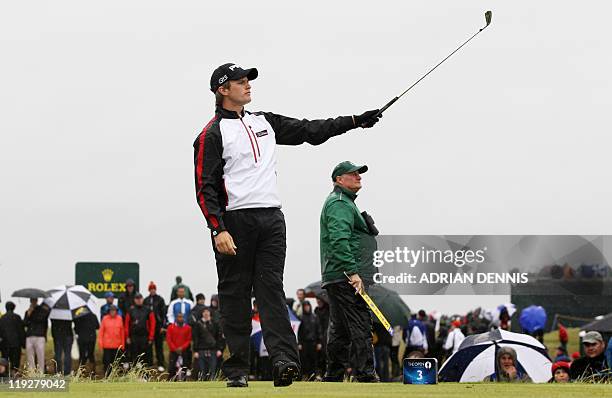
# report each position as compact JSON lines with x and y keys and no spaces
{"x":159,"y":347}
{"x":308,"y":357}
{"x":260,"y":236}
{"x":350,"y":325}
{"x":108,"y":357}
{"x":13,"y":355}
{"x":87,"y":351}
{"x":382,"y":353}
{"x":140,"y":350}
{"x":185,"y":355}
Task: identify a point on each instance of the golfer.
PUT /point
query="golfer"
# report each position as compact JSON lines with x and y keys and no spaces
{"x":347,"y":247}
{"x":235,"y":175}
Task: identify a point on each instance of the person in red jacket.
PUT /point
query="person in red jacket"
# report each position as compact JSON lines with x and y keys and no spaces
{"x":140,"y":331}
{"x":178,"y":337}
{"x":563,"y":337}
{"x":111,"y":337}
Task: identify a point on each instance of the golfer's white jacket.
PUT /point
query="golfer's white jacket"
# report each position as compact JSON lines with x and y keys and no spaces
{"x":235,"y":161}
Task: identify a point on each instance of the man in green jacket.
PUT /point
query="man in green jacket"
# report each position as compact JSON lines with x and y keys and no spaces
{"x":347,"y":244}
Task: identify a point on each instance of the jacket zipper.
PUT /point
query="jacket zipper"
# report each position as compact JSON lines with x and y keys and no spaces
{"x":256,"y":141}
{"x":250,"y":139}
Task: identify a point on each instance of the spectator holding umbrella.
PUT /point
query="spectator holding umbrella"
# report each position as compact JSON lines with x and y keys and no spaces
{"x":208,"y":344}
{"x":85,"y":327}
{"x":533,"y":321}
{"x":63,"y":337}
{"x":12,"y":335}
{"x":140,"y":330}
{"x":110,"y":300}
{"x":507,"y":369}
{"x":111,"y":337}
{"x":593,"y":365}
{"x":36,"y":320}
{"x":157,"y":305}
{"x":179,"y":343}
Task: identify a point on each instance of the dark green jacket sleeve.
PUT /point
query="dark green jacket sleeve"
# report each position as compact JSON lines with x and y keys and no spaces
{"x":340,"y":221}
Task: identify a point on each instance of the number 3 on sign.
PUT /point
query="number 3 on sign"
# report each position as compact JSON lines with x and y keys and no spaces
{"x":420,"y":372}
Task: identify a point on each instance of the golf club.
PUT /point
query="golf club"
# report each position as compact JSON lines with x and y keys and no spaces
{"x":488,"y":16}
{"x":366,"y":297}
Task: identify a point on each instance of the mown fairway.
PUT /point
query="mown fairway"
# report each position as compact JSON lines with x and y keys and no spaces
{"x":313,"y":389}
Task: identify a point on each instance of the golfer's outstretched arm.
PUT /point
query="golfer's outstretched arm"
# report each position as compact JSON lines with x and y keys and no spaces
{"x":290,"y":131}
{"x":209,"y":174}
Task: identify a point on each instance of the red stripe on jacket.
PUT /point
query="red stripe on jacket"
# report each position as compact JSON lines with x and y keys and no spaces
{"x":199,"y":173}
{"x":150,"y":326}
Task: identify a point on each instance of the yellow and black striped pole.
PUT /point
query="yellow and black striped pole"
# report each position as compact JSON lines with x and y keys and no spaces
{"x":374,"y":309}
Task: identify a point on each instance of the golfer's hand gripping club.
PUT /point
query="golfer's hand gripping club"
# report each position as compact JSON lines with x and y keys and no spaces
{"x":367,"y":119}
{"x":372,"y":306}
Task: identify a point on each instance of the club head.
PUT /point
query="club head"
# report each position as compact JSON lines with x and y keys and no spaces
{"x":488,"y":16}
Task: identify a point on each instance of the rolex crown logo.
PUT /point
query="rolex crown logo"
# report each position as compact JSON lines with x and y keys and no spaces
{"x":107,"y":274}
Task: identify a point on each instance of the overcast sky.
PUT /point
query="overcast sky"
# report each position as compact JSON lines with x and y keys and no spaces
{"x":100,"y":103}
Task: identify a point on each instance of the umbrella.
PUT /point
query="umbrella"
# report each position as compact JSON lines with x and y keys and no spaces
{"x":314,"y":289}
{"x":65,"y":302}
{"x":388,"y":301}
{"x":30,"y":293}
{"x":257,"y":335}
{"x":602,"y":325}
{"x":475,"y":358}
{"x":533,"y":318}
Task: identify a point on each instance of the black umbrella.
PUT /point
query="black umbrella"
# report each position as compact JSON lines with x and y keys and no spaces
{"x":388,"y":301}
{"x":314,"y":289}
{"x":602,"y":325}
{"x":30,"y":293}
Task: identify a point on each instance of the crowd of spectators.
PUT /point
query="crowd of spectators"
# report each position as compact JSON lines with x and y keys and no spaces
{"x":134,"y":328}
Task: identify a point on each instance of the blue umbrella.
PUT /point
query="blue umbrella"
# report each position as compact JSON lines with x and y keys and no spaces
{"x":533,"y":318}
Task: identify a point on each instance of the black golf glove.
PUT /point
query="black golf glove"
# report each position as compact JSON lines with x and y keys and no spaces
{"x":367,"y":119}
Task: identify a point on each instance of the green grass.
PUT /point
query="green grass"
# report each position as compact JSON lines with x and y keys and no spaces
{"x":348,"y":390}
{"x":551,"y":341}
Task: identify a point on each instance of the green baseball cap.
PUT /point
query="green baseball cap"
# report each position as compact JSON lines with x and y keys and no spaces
{"x":347,"y":167}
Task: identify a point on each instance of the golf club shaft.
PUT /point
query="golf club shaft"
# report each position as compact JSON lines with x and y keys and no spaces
{"x":375,"y":309}
{"x":384,"y":108}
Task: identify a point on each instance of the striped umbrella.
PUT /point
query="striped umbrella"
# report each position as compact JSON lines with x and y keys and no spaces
{"x":475,"y":358}
{"x":68,"y":302}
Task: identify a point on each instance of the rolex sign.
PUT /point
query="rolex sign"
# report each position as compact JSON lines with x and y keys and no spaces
{"x":100,"y":278}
